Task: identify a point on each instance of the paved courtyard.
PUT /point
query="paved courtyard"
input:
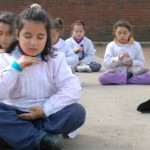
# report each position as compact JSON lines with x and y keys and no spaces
{"x":112,"y":122}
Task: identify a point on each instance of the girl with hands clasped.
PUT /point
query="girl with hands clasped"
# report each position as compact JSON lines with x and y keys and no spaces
{"x":38,"y":92}
{"x":124,"y":58}
{"x":83,"y":48}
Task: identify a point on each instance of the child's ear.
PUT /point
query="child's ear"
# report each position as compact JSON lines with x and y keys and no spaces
{"x":130,"y":35}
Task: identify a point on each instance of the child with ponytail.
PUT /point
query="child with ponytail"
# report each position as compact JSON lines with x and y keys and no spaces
{"x":38,"y":92}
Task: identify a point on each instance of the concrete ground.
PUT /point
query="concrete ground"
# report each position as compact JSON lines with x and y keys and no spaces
{"x":112,"y":122}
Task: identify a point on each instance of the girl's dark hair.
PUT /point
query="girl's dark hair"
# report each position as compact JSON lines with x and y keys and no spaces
{"x":36,"y":14}
{"x":78,"y":22}
{"x":123,"y":23}
{"x":58,"y":25}
{"x":10,"y":19}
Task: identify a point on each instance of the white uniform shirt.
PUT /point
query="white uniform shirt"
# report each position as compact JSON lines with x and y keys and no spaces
{"x":88,"y":48}
{"x":71,"y":57}
{"x":113,"y":50}
{"x":49,"y":84}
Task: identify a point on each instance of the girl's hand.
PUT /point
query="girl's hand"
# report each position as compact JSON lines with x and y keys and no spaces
{"x":37,"y":112}
{"x":78,"y":49}
{"x":128,"y":63}
{"x":79,"y":62}
{"x":26,"y":61}
{"x":122,"y":55}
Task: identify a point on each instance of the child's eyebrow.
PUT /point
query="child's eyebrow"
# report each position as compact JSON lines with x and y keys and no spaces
{"x":5,"y":31}
{"x":27,"y":33}
{"x":41,"y":34}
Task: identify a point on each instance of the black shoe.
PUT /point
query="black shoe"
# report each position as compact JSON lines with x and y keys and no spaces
{"x":4,"y":145}
{"x":129,"y":75}
{"x":144,"y":107}
{"x":51,"y":142}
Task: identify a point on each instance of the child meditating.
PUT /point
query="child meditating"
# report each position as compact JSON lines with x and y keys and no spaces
{"x":124,"y":58}
{"x":7,"y":30}
{"x":38,"y":92}
{"x":83,"y":48}
{"x":60,"y":45}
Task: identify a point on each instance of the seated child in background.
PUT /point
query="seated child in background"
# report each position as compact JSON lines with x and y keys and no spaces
{"x":83,"y":48}
{"x":124,"y":58}
{"x":7,"y":30}
{"x":60,"y":45}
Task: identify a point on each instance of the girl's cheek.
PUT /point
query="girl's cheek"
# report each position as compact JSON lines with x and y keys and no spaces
{"x":27,"y":43}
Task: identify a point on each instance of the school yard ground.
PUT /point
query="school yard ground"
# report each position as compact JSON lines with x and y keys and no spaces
{"x":112,"y":122}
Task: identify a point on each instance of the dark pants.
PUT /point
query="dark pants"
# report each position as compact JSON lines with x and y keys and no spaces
{"x":25,"y":135}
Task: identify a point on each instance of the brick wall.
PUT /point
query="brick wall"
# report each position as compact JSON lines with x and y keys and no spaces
{"x":98,"y":15}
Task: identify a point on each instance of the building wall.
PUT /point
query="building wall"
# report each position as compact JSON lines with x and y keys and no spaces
{"x":98,"y":15}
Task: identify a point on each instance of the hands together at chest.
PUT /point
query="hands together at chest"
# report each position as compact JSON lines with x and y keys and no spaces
{"x":126,"y":61}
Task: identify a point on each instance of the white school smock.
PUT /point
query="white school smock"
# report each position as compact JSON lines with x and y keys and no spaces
{"x":88,"y":48}
{"x":71,"y":57}
{"x":49,"y":84}
{"x":113,"y":50}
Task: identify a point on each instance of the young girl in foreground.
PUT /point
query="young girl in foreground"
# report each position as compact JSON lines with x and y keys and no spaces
{"x":7,"y":30}
{"x":60,"y":45}
{"x":38,"y":92}
{"x":124,"y":58}
{"x":83,"y":48}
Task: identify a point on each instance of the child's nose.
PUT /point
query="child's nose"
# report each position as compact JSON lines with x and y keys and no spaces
{"x":33,"y":42}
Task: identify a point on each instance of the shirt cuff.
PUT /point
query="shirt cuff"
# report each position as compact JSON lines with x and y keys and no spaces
{"x":16,"y":66}
{"x":48,"y":110}
{"x":116,"y":61}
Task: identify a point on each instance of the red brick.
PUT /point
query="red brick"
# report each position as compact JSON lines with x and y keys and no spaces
{"x":98,"y":15}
